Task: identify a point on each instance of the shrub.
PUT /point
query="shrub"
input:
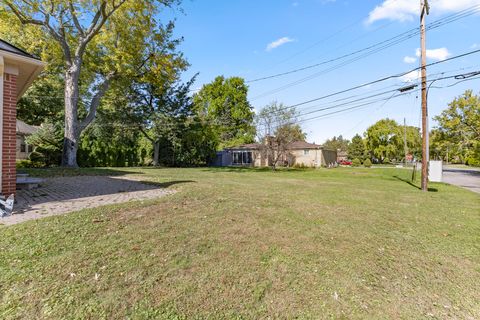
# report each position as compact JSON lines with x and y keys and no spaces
{"x":367,"y":163}
{"x":36,"y":156}
{"x":300,"y":166}
{"x":21,"y":164}
{"x":386,"y":161}
{"x":356,"y":162}
{"x":472,"y":162}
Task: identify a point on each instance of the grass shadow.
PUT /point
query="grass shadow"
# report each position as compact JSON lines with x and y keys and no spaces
{"x":166,"y":184}
{"x":414,"y":185}
{"x":73,"y":172}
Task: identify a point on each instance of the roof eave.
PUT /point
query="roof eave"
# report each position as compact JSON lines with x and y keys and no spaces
{"x":37,"y":65}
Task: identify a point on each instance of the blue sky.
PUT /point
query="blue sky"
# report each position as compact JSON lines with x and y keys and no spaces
{"x":253,"y":39}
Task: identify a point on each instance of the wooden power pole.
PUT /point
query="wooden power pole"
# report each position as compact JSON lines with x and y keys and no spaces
{"x":424,"y":11}
{"x":405,"y":147}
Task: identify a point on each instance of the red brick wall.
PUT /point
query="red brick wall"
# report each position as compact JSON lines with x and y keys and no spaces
{"x":9,"y":139}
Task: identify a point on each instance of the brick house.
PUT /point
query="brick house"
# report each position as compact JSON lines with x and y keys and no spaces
{"x":18,"y":70}
{"x":299,"y":153}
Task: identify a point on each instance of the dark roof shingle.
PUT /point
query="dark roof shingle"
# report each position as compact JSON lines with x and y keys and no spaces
{"x":5,"y":46}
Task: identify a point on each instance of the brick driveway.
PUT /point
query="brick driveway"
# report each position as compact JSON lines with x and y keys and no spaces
{"x":67,"y":194}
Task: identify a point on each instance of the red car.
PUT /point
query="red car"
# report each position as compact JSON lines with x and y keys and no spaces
{"x":345,"y":163}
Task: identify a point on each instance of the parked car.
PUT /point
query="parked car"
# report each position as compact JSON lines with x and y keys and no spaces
{"x":345,"y":163}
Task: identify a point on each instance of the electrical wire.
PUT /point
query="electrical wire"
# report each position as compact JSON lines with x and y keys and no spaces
{"x":378,"y":80}
{"x":385,"y":43}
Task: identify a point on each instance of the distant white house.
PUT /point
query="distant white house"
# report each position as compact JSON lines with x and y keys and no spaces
{"x":22,"y":132}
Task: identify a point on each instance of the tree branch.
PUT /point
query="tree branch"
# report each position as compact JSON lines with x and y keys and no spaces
{"x":98,"y":22}
{"x":22,"y":17}
{"x":146,"y":134}
{"x":75,"y":18}
{"x":102,"y":89}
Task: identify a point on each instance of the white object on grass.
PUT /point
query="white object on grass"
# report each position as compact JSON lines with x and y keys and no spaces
{"x":435,"y":172}
{"x":6,"y":207}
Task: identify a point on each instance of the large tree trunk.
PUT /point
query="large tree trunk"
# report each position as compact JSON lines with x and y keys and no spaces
{"x":156,"y":153}
{"x":72,"y":130}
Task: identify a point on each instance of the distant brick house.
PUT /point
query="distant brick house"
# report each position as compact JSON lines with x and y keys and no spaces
{"x":342,"y":155}
{"x":18,"y":70}
{"x":299,"y":153}
{"x":23,"y":130}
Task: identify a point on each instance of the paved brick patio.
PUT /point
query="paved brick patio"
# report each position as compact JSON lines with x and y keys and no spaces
{"x":67,"y":194}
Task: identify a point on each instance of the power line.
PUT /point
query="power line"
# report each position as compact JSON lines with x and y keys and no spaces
{"x":322,"y":116}
{"x":356,"y":107}
{"x":377,"y":81}
{"x":394,"y":40}
{"x":314,"y":65}
{"x":369,"y":103}
{"x":325,"y":39}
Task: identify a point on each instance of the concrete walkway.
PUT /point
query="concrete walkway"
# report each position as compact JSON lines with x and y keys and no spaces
{"x":66,"y":194}
{"x":462,"y":177}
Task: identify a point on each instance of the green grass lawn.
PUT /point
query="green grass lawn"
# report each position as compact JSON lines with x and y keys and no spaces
{"x":248,"y":244}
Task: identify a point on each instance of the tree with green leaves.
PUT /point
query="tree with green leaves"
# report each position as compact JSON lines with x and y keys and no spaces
{"x":337,"y":143}
{"x":276,"y":130}
{"x":414,"y":142}
{"x":356,"y":148}
{"x":167,"y":119}
{"x":458,"y":130}
{"x":47,"y":144}
{"x":224,"y":104}
{"x":95,"y":42}
{"x":43,"y":101}
{"x":384,"y":139}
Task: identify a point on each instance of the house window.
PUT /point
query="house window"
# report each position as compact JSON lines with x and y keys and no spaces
{"x":242,"y":158}
{"x":23,"y":147}
{"x":306,"y":152}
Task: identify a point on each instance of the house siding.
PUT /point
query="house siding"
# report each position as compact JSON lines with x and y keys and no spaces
{"x":311,"y":159}
{"x":28,"y":149}
{"x":314,"y":158}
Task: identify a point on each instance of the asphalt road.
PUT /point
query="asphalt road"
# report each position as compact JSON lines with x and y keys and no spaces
{"x":465,"y":178}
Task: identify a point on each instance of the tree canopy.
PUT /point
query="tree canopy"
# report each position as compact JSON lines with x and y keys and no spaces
{"x":224,"y":104}
{"x":337,"y":143}
{"x":94,"y":43}
{"x":458,"y":131}
{"x":385,"y":140}
{"x":356,"y":149}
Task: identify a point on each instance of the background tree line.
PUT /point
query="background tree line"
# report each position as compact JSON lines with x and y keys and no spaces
{"x":112,"y":93}
{"x":455,"y":138}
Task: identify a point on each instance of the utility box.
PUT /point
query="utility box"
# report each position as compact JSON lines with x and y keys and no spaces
{"x":435,"y":172}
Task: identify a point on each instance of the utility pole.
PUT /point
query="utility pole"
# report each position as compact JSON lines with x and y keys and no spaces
{"x":405,"y":140}
{"x":424,"y":10}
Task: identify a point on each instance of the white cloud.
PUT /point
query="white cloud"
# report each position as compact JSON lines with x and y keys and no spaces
{"x":277,"y":43}
{"x":475,"y":46}
{"x":412,"y":76}
{"x":439,"y":54}
{"x":295,"y":4}
{"x":406,"y":10}
{"x":409,"y":59}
